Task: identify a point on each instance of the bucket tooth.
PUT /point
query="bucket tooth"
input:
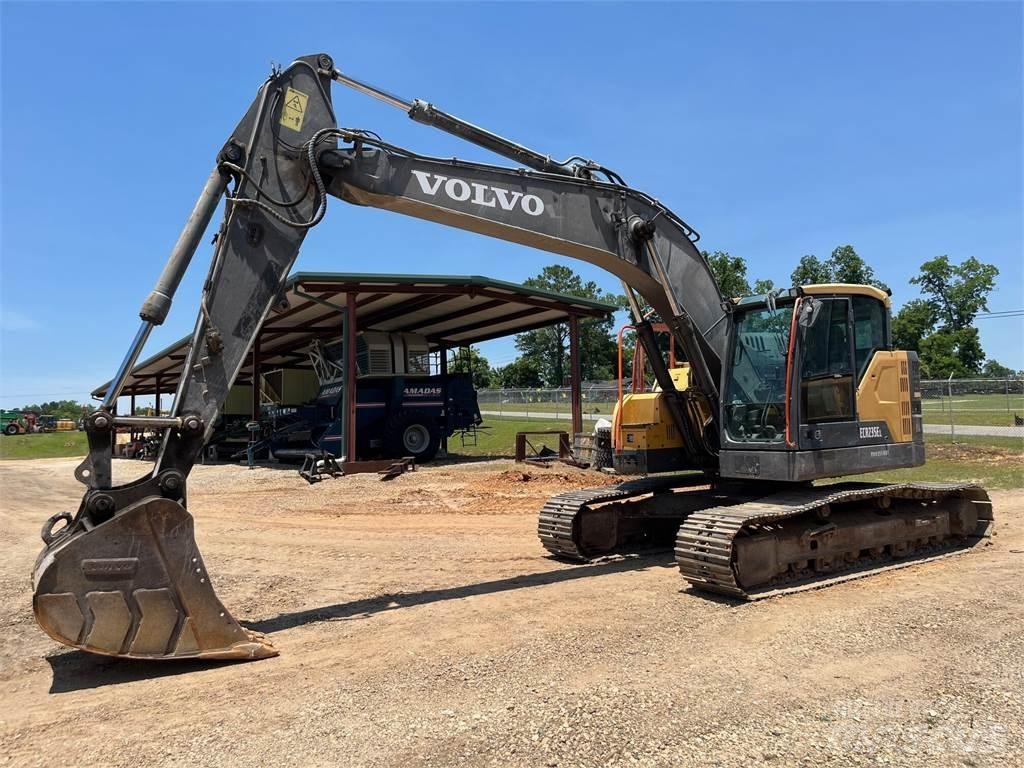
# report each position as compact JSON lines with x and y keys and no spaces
{"x":159,"y":617}
{"x":145,"y":588}
{"x":110,"y":624}
{"x":187,"y":643}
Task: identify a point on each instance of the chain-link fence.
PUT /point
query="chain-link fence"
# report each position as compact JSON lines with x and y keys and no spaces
{"x":598,"y":400}
{"x":993,"y":407}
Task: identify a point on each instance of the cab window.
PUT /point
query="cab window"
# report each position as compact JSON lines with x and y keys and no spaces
{"x":869,"y":331}
{"x":826,"y":386}
{"x":756,"y":387}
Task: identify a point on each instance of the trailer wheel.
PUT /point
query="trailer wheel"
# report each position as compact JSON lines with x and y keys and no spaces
{"x":11,"y":429}
{"x":407,"y":434}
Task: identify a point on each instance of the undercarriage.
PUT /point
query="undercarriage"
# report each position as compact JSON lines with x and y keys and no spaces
{"x":750,"y":542}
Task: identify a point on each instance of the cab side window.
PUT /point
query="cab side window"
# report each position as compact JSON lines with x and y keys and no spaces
{"x":826,"y":387}
{"x":827,"y":343}
{"x":869,"y":331}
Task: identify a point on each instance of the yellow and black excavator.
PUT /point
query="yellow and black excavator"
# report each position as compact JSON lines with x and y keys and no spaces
{"x":775,"y":391}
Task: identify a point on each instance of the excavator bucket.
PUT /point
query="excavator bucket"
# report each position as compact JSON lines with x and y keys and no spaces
{"x":135,"y":586}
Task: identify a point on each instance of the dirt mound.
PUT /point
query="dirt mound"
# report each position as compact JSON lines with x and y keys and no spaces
{"x":547,"y":477}
{"x":972,"y":454}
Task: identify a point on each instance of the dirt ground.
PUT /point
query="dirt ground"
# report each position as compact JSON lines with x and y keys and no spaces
{"x":974,"y":454}
{"x":420,"y":623}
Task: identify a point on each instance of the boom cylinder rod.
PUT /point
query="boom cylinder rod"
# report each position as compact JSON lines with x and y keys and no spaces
{"x":371,"y":90}
{"x":659,"y":267}
{"x":634,"y":305}
{"x":427,"y":114}
{"x":114,"y":390}
{"x":158,"y":303}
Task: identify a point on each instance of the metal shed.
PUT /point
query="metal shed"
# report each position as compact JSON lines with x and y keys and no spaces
{"x":449,"y":310}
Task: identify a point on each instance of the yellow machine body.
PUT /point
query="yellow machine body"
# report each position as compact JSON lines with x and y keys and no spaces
{"x":884,"y":394}
{"x":645,"y":437}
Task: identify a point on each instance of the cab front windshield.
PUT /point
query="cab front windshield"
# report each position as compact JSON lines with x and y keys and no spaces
{"x":756,"y":388}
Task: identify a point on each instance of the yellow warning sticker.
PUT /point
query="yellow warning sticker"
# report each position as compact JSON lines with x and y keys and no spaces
{"x":294,"y":111}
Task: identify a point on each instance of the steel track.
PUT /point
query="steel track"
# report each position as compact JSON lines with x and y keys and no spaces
{"x":705,"y":542}
{"x":558,"y":526}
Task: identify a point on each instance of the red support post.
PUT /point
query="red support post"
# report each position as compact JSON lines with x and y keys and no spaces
{"x":350,"y":378}
{"x":575,"y":390}
{"x":256,"y":360}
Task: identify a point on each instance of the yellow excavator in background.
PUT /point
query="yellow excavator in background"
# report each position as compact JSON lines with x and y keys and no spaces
{"x":777,"y":391}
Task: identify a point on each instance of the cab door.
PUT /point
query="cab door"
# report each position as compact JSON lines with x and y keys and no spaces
{"x":827,"y":402}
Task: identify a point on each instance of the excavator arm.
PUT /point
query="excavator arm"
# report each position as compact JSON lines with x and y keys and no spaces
{"x":124,"y":576}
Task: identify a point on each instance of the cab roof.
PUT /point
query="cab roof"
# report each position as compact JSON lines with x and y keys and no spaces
{"x":819,"y":289}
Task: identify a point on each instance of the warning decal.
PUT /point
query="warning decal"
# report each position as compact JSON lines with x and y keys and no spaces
{"x":294,"y":111}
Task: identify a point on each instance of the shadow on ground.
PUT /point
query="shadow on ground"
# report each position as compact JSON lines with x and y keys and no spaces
{"x":78,"y":670}
{"x":289,"y":465}
{"x":391,"y":602}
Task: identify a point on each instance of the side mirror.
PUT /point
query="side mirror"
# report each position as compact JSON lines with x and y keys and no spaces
{"x":810,"y":309}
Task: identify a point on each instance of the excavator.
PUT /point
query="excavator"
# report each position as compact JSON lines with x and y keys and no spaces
{"x":772,"y":392}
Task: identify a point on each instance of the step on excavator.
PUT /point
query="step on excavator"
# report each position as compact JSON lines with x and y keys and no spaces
{"x":774,"y":392}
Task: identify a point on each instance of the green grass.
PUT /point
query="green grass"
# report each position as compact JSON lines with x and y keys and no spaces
{"x":972,"y":418}
{"x":998,"y":477}
{"x":998,"y":463}
{"x":500,"y":438}
{"x":993,"y":462}
{"x":977,"y":410}
{"x":1012,"y":443}
{"x":968,"y":409}
{"x":50,"y":445}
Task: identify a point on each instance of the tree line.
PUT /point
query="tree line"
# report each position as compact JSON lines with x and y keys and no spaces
{"x":543,"y":359}
{"x":62,"y":409}
{"x":939,"y":325}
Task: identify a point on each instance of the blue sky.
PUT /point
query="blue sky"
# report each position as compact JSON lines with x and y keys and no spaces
{"x":775,"y":129}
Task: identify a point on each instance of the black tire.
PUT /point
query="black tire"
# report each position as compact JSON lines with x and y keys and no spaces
{"x":11,"y":429}
{"x":409,"y":434}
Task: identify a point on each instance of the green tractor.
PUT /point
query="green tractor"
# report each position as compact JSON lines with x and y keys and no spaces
{"x":13,"y":422}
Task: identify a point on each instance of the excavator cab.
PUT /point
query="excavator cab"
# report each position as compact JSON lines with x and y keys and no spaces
{"x":812,"y":387}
